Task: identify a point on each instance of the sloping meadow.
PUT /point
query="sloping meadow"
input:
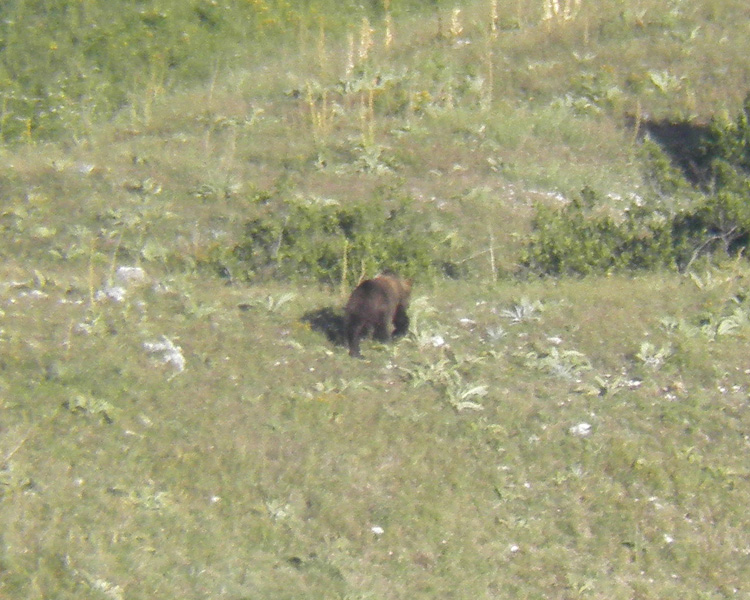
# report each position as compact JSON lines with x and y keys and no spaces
{"x":568,"y":414}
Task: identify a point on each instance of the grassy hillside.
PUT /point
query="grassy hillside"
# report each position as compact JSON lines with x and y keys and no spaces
{"x":177,"y":416}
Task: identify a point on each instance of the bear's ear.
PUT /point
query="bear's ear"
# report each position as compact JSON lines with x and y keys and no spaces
{"x":407,"y":285}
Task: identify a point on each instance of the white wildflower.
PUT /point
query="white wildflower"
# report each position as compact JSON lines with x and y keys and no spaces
{"x":111,"y":292}
{"x":170,"y":353}
{"x":437,"y":341}
{"x":130,"y":275}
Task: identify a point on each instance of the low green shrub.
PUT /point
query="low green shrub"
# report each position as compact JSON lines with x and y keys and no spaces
{"x":728,"y":146}
{"x":577,"y":239}
{"x":329,"y":242}
{"x":662,"y":176}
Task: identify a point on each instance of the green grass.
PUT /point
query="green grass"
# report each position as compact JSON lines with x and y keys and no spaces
{"x":262,"y":468}
{"x":447,"y":465}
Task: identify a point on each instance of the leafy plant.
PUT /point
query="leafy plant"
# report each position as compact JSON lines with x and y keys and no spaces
{"x":270,"y":303}
{"x":449,"y":377}
{"x":711,"y":325}
{"x":653,"y":357}
{"x":88,"y":405}
{"x":566,"y":364}
{"x":524,"y":310}
{"x":460,"y":394}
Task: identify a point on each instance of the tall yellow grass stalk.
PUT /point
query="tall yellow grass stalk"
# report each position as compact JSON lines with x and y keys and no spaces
{"x":92,"y":273}
{"x":489,"y":87}
{"x":457,"y":27}
{"x":561,"y":11}
{"x":367,"y":117}
{"x":349,"y":55}
{"x":321,"y":114}
{"x":322,"y":54}
{"x":493,"y":265}
{"x":365,"y":39}
{"x":388,"y":40}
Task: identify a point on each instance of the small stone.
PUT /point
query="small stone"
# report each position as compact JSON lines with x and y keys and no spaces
{"x":581,"y":430}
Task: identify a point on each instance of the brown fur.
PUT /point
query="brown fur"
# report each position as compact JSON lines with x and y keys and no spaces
{"x":378,"y":305}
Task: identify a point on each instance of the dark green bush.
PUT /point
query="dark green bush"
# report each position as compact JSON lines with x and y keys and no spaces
{"x":660,"y":173}
{"x":579,"y":240}
{"x":728,"y":145}
{"x":328,"y":242}
{"x":576,"y":240}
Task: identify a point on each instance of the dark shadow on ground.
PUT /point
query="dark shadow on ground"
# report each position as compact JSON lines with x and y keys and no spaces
{"x":683,"y":141}
{"x":328,"y":321}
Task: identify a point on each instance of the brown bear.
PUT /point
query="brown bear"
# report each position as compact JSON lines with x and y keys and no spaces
{"x":377,"y":304}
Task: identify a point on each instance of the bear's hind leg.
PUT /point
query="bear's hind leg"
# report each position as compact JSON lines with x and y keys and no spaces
{"x":400,"y":322}
{"x":354,"y":330}
{"x":382,"y":329}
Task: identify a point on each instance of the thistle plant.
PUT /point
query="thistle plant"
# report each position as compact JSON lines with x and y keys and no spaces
{"x":366,"y":42}
{"x":269,"y":303}
{"x":710,"y":326}
{"x":654,"y":357}
{"x":448,"y":376}
{"x":566,"y":364}
{"x":367,"y":119}
{"x":321,"y":113}
{"x":525,"y":310}
{"x":350,"y":63}
{"x":460,"y":394}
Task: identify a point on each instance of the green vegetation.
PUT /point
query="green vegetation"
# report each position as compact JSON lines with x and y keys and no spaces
{"x":189,"y":191}
{"x":67,"y":65}
{"x":576,"y":239}
{"x":328,"y":242}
